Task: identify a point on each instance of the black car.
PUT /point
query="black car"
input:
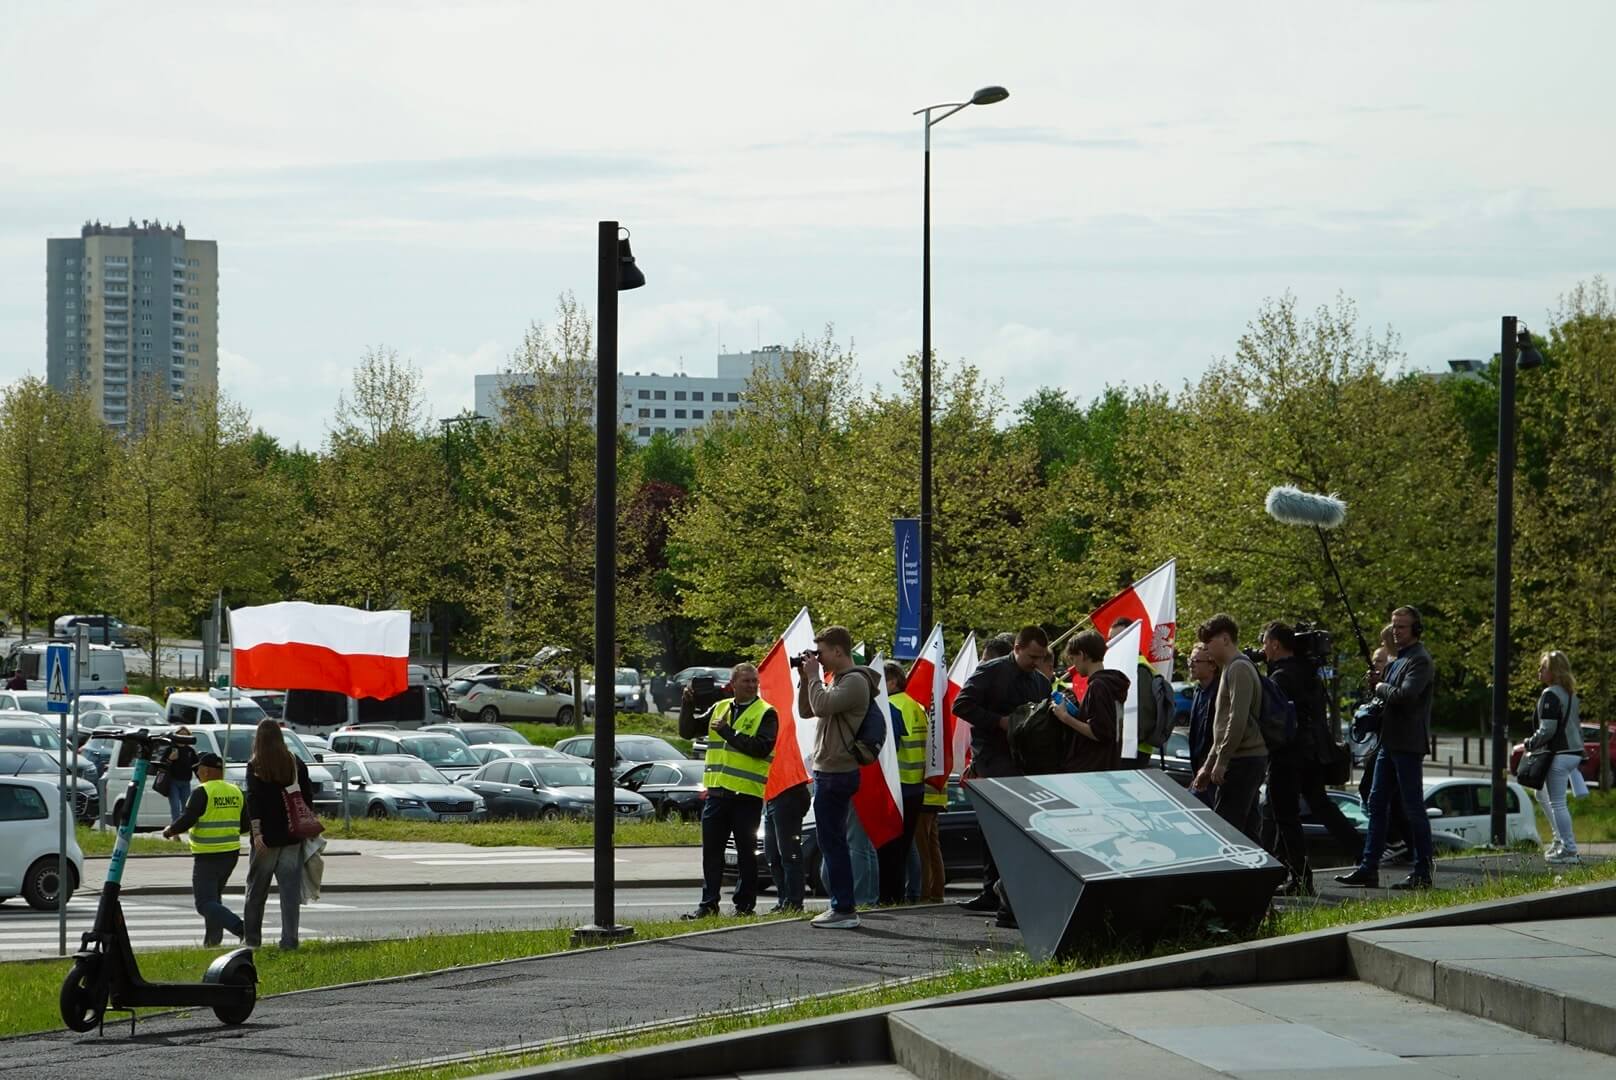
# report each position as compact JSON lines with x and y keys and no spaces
{"x":673,"y":787}
{"x":670,"y":692}
{"x":516,"y":787}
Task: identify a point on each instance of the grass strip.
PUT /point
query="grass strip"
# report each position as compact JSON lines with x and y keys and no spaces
{"x":99,"y":842}
{"x":998,"y":971}
{"x":28,"y":988}
{"x":562,"y":833}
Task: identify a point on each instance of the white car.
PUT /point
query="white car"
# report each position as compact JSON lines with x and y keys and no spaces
{"x":25,"y":701}
{"x":29,"y":835}
{"x":1463,"y":806}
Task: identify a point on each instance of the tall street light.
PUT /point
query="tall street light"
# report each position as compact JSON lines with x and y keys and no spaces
{"x":988,"y":95}
{"x":616,"y":271}
{"x":1515,"y":349}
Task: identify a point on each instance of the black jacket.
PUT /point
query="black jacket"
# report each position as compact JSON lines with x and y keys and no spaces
{"x":1409,"y":686}
{"x":266,"y":806}
{"x":1299,"y":681}
{"x":1202,"y":706}
{"x":997,"y":689}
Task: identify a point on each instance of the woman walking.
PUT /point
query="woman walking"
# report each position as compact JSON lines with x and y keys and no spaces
{"x":1559,"y":733}
{"x":274,"y":775}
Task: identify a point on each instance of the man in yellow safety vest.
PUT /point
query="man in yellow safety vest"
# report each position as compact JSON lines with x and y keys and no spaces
{"x":216,"y":815}
{"x":909,"y":729}
{"x":741,"y":734}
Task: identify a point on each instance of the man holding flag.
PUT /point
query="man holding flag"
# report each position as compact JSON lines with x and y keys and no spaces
{"x":909,"y":728}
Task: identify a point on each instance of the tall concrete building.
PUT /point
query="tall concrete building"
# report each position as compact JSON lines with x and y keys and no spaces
{"x":129,"y":303}
{"x":677,"y":404}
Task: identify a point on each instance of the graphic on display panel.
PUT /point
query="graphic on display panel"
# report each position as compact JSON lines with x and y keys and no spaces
{"x":1124,"y":821}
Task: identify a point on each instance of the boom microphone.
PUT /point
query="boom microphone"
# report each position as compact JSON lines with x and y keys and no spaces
{"x":1293,"y":506}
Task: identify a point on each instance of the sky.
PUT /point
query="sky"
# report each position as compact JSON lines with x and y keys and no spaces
{"x":428,"y":177}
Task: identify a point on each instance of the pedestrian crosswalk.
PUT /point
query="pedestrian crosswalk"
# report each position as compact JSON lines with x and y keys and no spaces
{"x":153,"y":924}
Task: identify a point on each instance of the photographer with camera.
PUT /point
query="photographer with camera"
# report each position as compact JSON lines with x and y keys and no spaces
{"x":741,"y":734}
{"x":1404,"y":691}
{"x":840,"y":709}
{"x":1296,"y":772}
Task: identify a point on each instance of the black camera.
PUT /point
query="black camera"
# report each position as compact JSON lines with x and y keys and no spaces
{"x":1313,"y":644}
{"x":796,"y":661}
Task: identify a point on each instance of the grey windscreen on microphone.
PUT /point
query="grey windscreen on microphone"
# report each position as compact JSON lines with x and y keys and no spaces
{"x":1293,"y":506}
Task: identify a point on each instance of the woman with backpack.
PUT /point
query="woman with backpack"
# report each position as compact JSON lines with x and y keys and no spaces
{"x":1558,"y":733}
{"x":275,"y":778}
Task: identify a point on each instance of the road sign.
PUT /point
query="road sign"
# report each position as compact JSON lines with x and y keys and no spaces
{"x":59,"y":678}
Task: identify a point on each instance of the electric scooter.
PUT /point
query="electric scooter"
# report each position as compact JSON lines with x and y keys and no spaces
{"x":104,"y":973}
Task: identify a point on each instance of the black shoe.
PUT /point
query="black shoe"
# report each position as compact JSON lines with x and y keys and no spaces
{"x":1362,"y":877}
{"x":986,"y":900}
{"x":1296,"y":886}
{"x":1414,"y":881}
{"x":1006,"y":919}
{"x":746,"y":913}
{"x":703,"y":912}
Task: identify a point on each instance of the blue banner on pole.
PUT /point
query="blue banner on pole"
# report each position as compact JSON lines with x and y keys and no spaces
{"x":906,"y":545}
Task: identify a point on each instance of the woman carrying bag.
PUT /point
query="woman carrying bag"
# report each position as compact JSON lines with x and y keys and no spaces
{"x":280,"y":803}
{"x":1556,"y":752}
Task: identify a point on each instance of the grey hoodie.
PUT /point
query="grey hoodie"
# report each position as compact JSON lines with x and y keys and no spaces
{"x":840,"y":708}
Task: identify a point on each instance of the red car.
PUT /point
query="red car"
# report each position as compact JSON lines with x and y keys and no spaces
{"x":1590,"y":761}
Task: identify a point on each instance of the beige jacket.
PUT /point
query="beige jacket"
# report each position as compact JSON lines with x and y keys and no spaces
{"x":840,"y":708}
{"x":1235,"y":728}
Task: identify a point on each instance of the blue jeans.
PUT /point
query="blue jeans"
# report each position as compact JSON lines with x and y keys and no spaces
{"x":722,"y":816}
{"x":1552,"y":797}
{"x":178,"y":792}
{"x":866,"y":863}
{"x":1400,"y":772}
{"x":208,"y":876}
{"x":833,"y":797}
{"x":782,"y":843}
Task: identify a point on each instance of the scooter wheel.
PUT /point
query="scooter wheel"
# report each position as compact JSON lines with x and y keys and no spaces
{"x":239,"y":972}
{"x":84,"y":996}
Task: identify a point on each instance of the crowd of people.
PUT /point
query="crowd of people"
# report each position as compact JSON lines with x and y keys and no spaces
{"x":1235,"y":752}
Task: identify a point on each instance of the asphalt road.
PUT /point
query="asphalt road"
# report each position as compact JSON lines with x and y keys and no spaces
{"x":170,"y":921}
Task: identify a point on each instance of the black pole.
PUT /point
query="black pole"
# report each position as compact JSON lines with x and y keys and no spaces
{"x":1502,"y":570}
{"x":925,"y":395}
{"x":605,"y":926}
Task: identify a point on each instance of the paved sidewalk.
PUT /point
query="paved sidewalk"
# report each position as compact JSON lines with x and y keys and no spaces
{"x":526,"y":1001}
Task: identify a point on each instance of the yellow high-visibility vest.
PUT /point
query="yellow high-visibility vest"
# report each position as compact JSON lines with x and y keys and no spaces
{"x":218,"y":831}
{"x":727,"y":767}
{"x":912,"y":747}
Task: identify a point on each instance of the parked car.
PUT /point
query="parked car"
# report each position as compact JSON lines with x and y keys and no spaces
{"x":514,"y":787}
{"x":101,"y":629}
{"x":322,"y":712}
{"x":95,"y":708}
{"x":1590,"y":754}
{"x":228,"y":707}
{"x":631,"y":750}
{"x":628,"y":690}
{"x":677,"y":685}
{"x":30,"y":832}
{"x":673,"y":788}
{"x":23,"y":731}
{"x":492,"y":698}
{"x":444,"y":753}
{"x":1463,"y":806}
{"x":99,"y":752}
{"x":317,"y":744}
{"x":24,"y":701}
{"x":398,"y":785}
{"x":106,"y":673}
{"x":486,"y":752}
{"x":1183,"y":701}
{"x":47,"y":766}
{"x":273,"y":702}
{"x":1322,"y":850}
{"x":480,"y":734}
{"x":1174,"y":758}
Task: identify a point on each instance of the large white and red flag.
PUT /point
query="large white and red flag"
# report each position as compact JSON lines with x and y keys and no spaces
{"x":1122,"y":654}
{"x":956,"y":732}
{"x":300,"y":646}
{"x":777,"y":684}
{"x":1153,"y":600}
{"x":928,"y":685}
{"x":879,"y":799}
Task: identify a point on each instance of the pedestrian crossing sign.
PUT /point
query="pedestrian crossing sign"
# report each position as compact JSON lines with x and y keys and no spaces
{"x":59,"y":678}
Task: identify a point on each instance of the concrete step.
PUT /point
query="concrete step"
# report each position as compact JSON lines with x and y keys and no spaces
{"x":1554,"y":979}
{"x":843,"y":1072}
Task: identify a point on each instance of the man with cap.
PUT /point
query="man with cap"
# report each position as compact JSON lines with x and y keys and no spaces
{"x":216,"y":815}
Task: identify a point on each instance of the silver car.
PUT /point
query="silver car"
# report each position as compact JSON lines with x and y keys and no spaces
{"x":398,"y":785}
{"x":486,"y":752}
{"x":519,"y":787}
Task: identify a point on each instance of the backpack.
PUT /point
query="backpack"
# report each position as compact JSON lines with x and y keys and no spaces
{"x":1277,"y":717}
{"x":1163,"y":710}
{"x":1039,"y":742}
{"x":871,"y":734}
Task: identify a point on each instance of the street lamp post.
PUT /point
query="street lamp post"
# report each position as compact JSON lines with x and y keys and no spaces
{"x":988,"y":95}
{"x":1515,"y":350}
{"x":616,"y":271}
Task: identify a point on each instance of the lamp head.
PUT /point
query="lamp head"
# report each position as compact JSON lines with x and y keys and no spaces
{"x":629,"y":276}
{"x":989,"y":95}
{"x":1526,"y":355}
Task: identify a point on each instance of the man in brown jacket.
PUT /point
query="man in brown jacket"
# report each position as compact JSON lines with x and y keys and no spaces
{"x":1239,"y":758}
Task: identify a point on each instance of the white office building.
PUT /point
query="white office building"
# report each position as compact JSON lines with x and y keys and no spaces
{"x":678,"y":404}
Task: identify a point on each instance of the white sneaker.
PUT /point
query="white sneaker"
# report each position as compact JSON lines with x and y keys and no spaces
{"x":837,"y":920}
{"x":1565,"y":858}
{"x":1554,"y":848}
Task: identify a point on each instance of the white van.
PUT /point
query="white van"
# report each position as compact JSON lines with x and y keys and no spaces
{"x":321,"y":712}
{"x":106,"y":674}
{"x":192,"y":707}
{"x":211,"y":739}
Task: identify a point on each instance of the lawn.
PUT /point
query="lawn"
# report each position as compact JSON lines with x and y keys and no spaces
{"x":563,"y":833}
{"x":99,"y":842}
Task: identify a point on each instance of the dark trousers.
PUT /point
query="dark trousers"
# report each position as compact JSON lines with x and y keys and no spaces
{"x":782,"y":843}
{"x":893,"y":856}
{"x":208,"y":876}
{"x":1236,"y":800}
{"x":724,"y":815}
{"x":1396,"y":821}
{"x":1292,"y":779}
{"x":1398,"y":776}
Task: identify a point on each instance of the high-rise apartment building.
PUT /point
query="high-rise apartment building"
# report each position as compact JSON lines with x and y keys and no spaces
{"x":129,"y":303}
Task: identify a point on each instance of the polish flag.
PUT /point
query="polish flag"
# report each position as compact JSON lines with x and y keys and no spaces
{"x":879,"y":799}
{"x":1122,"y":654}
{"x":956,"y":732}
{"x":777,"y":685}
{"x":300,"y":646}
{"x":1153,"y":600}
{"x":928,"y":685}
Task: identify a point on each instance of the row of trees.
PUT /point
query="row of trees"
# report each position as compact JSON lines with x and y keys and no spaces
{"x":1042,"y":510}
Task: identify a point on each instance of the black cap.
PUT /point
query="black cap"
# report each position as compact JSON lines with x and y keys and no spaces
{"x":211,"y":761}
